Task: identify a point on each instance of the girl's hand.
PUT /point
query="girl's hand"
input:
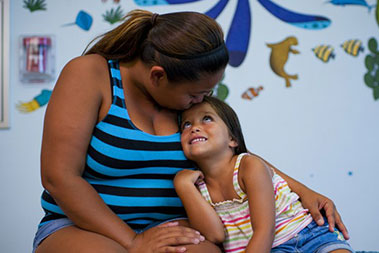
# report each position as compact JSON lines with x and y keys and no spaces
{"x":169,"y":237}
{"x":315,"y":203}
{"x":188,"y":176}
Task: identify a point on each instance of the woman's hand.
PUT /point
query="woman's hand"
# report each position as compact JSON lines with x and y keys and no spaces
{"x":317,"y":203}
{"x":169,"y":237}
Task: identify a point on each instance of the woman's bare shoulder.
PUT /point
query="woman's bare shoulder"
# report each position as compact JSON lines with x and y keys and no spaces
{"x":93,"y":63}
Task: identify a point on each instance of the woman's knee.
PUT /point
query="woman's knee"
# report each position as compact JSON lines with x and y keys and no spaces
{"x":205,"y":247}
{"x":73,"y":239}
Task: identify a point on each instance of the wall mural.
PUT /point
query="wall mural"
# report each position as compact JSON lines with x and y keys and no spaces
{"x":371,"y":78}
{"x":38,"y":101}
{"x":238,"y":40}
{"x":279,"y":56}
{"x":83,"y":20}
{"x":35,"y":5}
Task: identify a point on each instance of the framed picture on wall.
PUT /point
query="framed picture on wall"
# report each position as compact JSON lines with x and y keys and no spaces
{"x":4,"y":63}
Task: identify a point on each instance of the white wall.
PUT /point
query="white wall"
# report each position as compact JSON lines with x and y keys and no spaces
{"x":318,"y":131}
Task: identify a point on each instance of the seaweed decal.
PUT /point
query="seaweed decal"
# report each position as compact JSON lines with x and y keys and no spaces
{"x":371,"y":78}
{"x":221,"y":91}
{"x":114,"y":15}
{"x":35,"y":5}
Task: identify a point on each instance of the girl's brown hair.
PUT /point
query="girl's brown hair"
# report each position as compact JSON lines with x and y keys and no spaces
{"x":187,"y":45}
{"x":230,"y":118}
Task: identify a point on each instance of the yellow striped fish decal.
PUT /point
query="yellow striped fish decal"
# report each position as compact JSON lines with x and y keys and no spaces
{"x":324,"y":52}
{"x":352,"y":47}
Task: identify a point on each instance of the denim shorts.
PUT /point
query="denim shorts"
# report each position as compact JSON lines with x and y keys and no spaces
{"x":316,"y":239}
{"x":49,"y":228}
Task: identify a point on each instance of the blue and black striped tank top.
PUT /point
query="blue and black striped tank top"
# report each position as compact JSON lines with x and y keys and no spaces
{"x":131,"y":170}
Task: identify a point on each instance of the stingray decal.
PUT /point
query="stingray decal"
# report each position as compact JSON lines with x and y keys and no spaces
{"x":37,"y":102}
{"x":324,"y":52}
{"x":251,"y":93}
{"x":35,"y":5}
{"x":114,"y":15}
{"x":352,"y":2}
{"x":296,"y":19}
{"x":279,"y":55}
{"x":371,"y":78}
{"x":83,"y":20}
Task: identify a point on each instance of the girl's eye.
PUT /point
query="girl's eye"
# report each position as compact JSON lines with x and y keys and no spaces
{"x":186,"y":125}
{"x":207,"y":119}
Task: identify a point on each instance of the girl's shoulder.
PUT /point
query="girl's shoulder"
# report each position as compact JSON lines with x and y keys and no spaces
{"x":253,"y":171}
{"x":252,"y":164}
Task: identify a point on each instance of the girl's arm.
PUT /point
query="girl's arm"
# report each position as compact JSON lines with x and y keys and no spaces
{"x":256,"y":181}
{"x":201,"y":214}
{"x":314,"y":202}
{"x":71,"y":115}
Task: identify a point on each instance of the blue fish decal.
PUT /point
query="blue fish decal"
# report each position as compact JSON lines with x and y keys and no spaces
{"x":352,"y":2}
{"x":297,"y":19}
{"x":162,"y":2}
{"x":83,"y":20}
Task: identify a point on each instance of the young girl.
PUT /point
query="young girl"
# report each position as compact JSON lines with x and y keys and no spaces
{"x":238,"y":187}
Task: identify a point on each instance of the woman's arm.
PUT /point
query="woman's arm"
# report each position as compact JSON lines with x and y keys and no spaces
{"x":201,"y":214}
{"x":71,"y":115}
{"x":256,"y":181}
{"x":314,"y":202}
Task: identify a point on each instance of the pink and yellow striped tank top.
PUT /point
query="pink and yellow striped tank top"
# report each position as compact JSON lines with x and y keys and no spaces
{"x":290,"y":219}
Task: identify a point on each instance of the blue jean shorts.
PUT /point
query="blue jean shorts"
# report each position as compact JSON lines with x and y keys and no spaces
{"x":49,"y":228}
{"x":316,"y":239}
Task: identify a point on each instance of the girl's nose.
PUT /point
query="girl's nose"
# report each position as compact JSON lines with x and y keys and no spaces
{"x":195,"y":129}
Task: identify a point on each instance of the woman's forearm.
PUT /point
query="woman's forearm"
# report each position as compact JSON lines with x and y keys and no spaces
{"x":83,"y":205}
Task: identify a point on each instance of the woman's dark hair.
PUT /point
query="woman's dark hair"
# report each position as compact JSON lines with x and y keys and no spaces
{"x":187,"y":45}
{"x":230,"y":118}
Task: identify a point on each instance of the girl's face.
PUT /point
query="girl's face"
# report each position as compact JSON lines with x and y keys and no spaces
{"x":204,"y":133}
{"x":181,"y":96}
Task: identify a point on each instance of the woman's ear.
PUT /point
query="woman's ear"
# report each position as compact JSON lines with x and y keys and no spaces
{"x":157,"y":75}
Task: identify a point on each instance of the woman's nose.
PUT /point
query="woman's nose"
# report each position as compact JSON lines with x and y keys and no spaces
{"x":197,"y":99}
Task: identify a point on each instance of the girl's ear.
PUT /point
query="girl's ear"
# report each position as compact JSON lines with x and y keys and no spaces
{"x":157,"y":75}
{"x":233,"y":143}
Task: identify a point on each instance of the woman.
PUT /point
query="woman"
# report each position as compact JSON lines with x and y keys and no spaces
{"x":111,"y":145}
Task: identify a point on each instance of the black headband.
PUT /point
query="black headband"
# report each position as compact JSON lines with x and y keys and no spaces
{"x":195,"y":56}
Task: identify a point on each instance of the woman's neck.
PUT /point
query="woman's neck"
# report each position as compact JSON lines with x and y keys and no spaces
{"x":144,"y":112}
